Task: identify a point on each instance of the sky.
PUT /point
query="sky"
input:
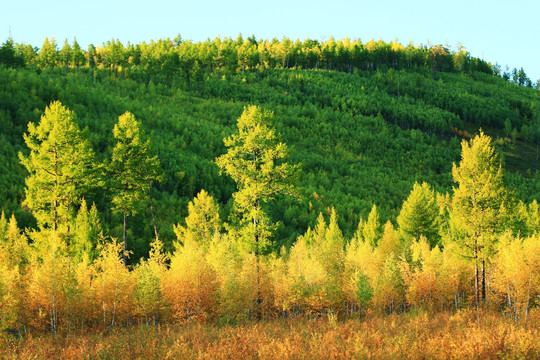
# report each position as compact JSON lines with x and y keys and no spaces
{"x":503,"y":32}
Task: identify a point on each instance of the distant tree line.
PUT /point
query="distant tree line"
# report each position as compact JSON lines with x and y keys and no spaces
{"x":166,"y":59}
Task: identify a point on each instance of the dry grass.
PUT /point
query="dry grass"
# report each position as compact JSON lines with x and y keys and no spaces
{"x":408,"y":336}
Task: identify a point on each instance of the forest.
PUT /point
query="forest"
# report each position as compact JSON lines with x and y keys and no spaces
{"x":232,"y":188}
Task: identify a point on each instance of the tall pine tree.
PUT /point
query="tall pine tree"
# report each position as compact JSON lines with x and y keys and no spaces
{"x":477,"y":206}
{"x":256,"y":162}
{"x":132,"y":169}
{"x":61,"y":165}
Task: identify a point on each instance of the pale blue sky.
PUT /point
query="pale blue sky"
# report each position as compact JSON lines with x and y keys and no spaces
{"x":504,"y":32}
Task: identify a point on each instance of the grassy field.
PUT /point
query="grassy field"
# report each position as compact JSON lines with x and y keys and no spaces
{"x":413,"y":335}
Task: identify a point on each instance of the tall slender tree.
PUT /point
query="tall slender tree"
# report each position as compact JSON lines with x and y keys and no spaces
{"x":132,"y":169}
{"x":66,"y":54}
{"x":256,"y":161}
{"x":438,"y":52}
{"x":77,"y":54}
{"x":477,"y":206}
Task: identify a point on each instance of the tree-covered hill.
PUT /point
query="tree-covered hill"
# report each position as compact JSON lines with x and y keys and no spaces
{"x":365,"y":121}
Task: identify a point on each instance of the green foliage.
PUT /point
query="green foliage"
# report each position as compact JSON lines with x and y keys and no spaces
{"x":478,"y":208}
{"x":8,"y":55}
{"x":3,"y":225}
{"x":48,"y":53}
{"x":533,"y":218}
{"x":256,"y":162}
{"x":61,"y":166}
{"x":366,"y":121}
{"x":87,"y":231}
{"x":132,"y":168}
{"x":371,"y":231}
{"x":364,"y":291}
{"x":478,"y":201}
{"x":202,"y":222}
{"x":419,"y":215}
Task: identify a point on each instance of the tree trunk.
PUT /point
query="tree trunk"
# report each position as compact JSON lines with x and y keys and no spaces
{"x":153,"y":212}
{"x":125,"y":240}
{"x":258,"y":303}
{"x":256,"y":239}
{"x":476,"y":282}
{"x":55,"y":215}
{"x":484,"y":280}
{"x":55,"y":202}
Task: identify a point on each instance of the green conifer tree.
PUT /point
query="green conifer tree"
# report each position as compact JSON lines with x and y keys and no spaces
{"x":61,"y":165}
{"x":256,"y":162}
{"x":77,"y":54}
{"x":132,"y":169}
{"x":87,"y":231}
{"x":419,"y":215}
{"x":202,"y":221}
{"x":372,"y":228}
{"x":477,"y":206}
{"x":3,"y":226}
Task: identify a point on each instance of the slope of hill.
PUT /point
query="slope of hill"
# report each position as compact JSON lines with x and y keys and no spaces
{"x":363,"y":132}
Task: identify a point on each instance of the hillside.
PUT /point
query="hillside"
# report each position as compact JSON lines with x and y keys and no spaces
{"x":365,"y":121}
{"x":253,"y":197}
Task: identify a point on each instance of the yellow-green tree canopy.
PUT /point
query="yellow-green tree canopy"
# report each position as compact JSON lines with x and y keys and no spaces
{"x":202,"y":221}
{"x":61,"y":166}
{"x":371,"y":230}
{"x":477,"y":207}
{"x":255,"y":160}
{"x":132,"y":168}
{"x":477,"y":204}
{"x":419,"y":215}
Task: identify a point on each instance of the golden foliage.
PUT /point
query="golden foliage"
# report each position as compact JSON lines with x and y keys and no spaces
{"x":149,"y":275}
{"x":113,"y":285}
{"x":189,"y":286}
{"x":50,"y":282}
{"x":516,"y":275}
